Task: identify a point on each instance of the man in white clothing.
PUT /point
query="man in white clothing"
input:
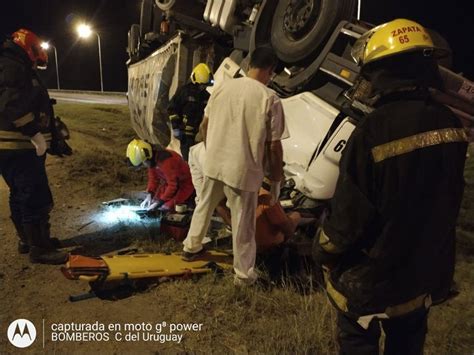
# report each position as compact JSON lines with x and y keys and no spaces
{"x":196,"y":166}
{"x":243,"y":125}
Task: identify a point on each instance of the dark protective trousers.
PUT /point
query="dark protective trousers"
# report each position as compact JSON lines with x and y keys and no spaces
{"x":186,"y":142}
{"x":403,"y":335}
{"x":25,"y":174}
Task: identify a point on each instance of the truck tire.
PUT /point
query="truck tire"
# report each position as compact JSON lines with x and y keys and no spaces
{"x":146,"y":17}
{"x":300,"y":27}
{"x":165,"y":5}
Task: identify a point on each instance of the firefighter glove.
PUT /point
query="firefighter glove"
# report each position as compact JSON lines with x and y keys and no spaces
{"x":40,"y":144}
{"x":147,"y":201}
{"x":164,"y":208}
{"x":60,"y":134}
{"x":155,"y":204}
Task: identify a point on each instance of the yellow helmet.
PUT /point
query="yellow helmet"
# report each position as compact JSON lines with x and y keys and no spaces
{"x":202,"y":74}
{"x":138,"y":151}
{"x":392,"y":38}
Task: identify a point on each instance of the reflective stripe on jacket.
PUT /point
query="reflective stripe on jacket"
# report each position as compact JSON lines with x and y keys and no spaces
{"x":16,"y":140}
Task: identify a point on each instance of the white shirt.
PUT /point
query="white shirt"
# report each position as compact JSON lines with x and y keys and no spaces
{"x":243,"y":115}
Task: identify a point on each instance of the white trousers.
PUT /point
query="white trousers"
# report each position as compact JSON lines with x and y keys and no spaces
{"x":242,"y":205}
{"x":195,"y":161}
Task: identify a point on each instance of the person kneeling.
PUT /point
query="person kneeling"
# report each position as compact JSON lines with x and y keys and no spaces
{"x":169,"y":179}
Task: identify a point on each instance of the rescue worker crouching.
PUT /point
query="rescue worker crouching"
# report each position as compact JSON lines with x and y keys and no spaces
{"x":24,"y":138}
{"x":186,"y":107}
{"x":389,"y":240}
{"x":169,"y":178}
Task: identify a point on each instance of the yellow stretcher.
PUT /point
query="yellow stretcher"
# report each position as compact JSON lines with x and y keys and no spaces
{"x":108,"y":274}
{"x":139,"y":266}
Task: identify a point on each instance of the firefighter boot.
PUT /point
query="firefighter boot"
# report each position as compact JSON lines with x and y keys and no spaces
{"x":23,"y":247}
{"x":41,"y":251}
{"x":53,"y":243}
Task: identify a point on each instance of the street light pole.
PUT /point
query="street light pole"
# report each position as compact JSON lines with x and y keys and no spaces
{"x":84,"y":31}
{"x":100,"y":63}
{"x":46,"y":46}
{"x":57,"y":68}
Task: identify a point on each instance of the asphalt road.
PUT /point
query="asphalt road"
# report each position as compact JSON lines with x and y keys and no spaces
{"x":89,"y":97}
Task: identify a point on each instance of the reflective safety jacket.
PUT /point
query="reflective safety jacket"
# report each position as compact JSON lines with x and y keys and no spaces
{"x":390,"y":237}
{"x":170,"y":180}
{"x":25,"y":108}
{"x":186,"y":108}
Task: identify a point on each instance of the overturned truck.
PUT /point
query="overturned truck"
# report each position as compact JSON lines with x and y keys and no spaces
{"x":318,"y":80}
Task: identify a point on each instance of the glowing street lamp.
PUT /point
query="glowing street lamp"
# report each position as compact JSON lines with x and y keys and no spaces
{"x":46,"y":46}
{"x":85,"y":31}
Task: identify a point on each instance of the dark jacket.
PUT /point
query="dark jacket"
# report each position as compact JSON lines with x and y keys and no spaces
{"x":390,"y":235}
{"x":25,"y":108}
{"x":186,"y":108}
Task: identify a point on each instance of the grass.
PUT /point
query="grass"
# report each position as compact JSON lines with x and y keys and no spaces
{"x":253,"y":320}
{"x":276,"y":320}
{"x":99,"y":139}
{"x":110,"y":122}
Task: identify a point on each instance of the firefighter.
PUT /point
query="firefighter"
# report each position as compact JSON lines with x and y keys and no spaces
{"x":25,"y":112}
{"x":186,"y":107}
{"x":169,"y":178}
{"x":388,"y":242}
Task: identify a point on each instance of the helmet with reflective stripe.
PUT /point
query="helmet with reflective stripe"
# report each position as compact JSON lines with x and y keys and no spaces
{"x":31,"y":44}
{"x":393,"y":38}
{"x":202,"y":74}
{"x":138,"y":151}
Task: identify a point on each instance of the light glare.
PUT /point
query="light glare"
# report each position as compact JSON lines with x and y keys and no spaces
{"x":120,"y":214}
{"x":84,"y":30}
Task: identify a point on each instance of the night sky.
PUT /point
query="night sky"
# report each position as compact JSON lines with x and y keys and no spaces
{"x":78,"y":60}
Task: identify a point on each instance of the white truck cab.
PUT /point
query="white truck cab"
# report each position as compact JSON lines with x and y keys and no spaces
{"x":311,"y":156}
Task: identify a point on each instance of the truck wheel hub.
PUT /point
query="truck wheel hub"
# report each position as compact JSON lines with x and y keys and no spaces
{"x":299,"y":18}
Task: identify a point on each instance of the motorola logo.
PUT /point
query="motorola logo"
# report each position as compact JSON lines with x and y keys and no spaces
{"x":21,"y":333}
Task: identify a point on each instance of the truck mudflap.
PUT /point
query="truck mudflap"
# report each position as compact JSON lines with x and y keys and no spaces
{"x":151,"y":83}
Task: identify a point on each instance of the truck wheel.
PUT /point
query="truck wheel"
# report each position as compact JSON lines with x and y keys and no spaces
{"x":146,"y":17}
{"x":165,"y":5}
{"x":300,"y":27}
